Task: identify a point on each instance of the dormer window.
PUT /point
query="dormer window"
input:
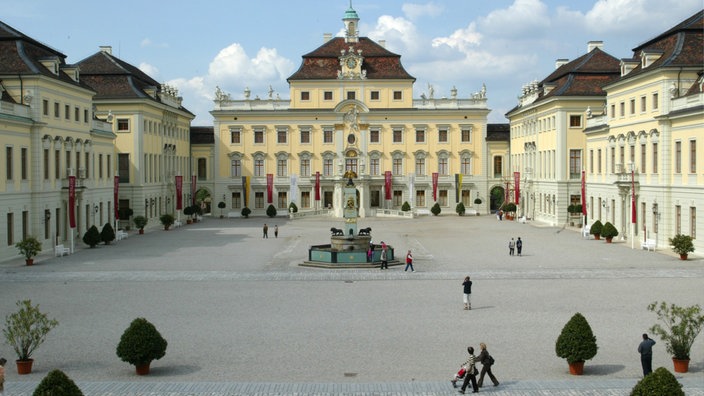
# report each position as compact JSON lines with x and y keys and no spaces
{"x":647,"y":58}
{"x":52,"y":64}
{"x":627,"y":66}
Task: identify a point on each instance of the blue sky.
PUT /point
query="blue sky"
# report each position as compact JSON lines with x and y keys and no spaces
{"x":234,"y":44}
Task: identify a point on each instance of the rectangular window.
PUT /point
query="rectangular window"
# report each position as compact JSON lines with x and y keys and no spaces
{"x":24,"y":163}
{"x":351,"y":95}
{"x":465,"y":165}
{"x":374,"y":136}
{"x":45,"y":107}
{"x":420,"y":166}
{"x":642,"y":104}
{"x":56,"y":109}
{"x":67,"y":112}
{"x":591,"y":161}
{"x":258,"y":136}
{"x":123,"y":166}
{"x":622,"y":109}
{"x":655,"y":101}
{"x":305,"y":167}
{"x":655,"y":158}
{"x":420,"y":136}
{"x":633,"y":106}
{"x":236,"y":168}
{"x":442,"y":166}
{"x":374,"y":167}
{"x":305,"y":95}
{"x":259,"y":200}
{"x":374,"y":95}
{"x":235,"y":136}
{"x":327,"y":135}
{"x":305,"y":199}
{"x":100,"y":166}
{"x":236,"y":200}
{"x":678,"y":219}
{"x":397,"y":167}
{"x":305,"y":136}
{"x":281,"y":167}
{"x":398,"y":95}
{"x":86,"y":164}
{"x":259,"y":167}
{"x":45,"y":162}
{"x":8,"y":163}
{"x":498,"y":166}
{"x":598,"y":161}
{"x":621,"y":159}
{"x":281,"y":136}
{"x":85,"y":116}
{"x":398,"y":198}
{"x":57,"y":164}
{"x":613,"y":111}
{"x":693,"y":222}
{"x":397,"y":135}
{"x":10,"y":229}
{"x":466,"y":135}
{"x":123,"y":125}
{"x":678,"y":157}
{"x":575,"y":164}
{"x":575,"y":121}
{"x":442,"y":135}
{"x":442,"y":197}
{"x":420,"y":198}
{"x":642,"y":158}
{"x":76,"y":114}
{"x":327,"y":95}
{"x":692,"y":156}
{"x":202,"y":169}
{"x":108,"y":163}
{"x":327,"y":167}
{"x":282,"y":199}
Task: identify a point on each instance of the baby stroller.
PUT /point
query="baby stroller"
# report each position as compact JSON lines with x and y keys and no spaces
{"x":458,"y":376}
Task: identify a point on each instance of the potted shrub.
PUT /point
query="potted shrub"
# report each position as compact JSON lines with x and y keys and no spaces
{"x":92,"y":237}
{"x":659,"y":382}
{"x":166,"y":220}
{"x":576,"y":343}
{"x":246,"y":212}
{"x":478,"y":201}
{"x":25,"y":330}
{"x":510,"y":210}
{"x":271,"y":211}
{"x":608,"y":231}
{"x":140,"y":222}
{"x":595,"y":229}
{"x":56,"y":383}
{"x":107,"y":234}
{"x":140,"y":344}
{"x":680,"y":328}
{"x":188,"y":211}
{"x":29,"y":247}
{"x":460,"y":209}
{"x":405,"y":207}
{"x":197,"y":211}
{"x":682,"y":245}
{"x":435,"y":210}
{"x":221,"y":206}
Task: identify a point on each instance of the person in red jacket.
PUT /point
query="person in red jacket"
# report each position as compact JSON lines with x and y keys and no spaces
{"x":409,"y":262}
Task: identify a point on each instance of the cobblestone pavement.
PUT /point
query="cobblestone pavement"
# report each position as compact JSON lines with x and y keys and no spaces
{"x":243,"y":318}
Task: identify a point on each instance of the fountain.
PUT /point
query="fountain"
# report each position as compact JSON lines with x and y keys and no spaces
{"x":348,"y":246}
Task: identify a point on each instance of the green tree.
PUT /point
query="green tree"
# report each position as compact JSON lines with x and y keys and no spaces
{"x":271,"y":211}
{"x":92,"y":236}
{"x":460,"y":209}
{"x":56,"y":383}
{"x":406,"y":206}
{"x":141,"y":343}
{"x":107,"y":234}
{"x":576,"y":342}
{"x":435,"y":210}
{"x":658,"y":383}
{"x":246,"y":212}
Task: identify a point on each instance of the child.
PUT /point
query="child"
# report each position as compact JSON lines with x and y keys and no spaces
{"x":458,"y":376}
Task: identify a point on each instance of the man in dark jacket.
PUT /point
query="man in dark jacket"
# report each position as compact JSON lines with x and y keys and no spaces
{"x":646,"y":354}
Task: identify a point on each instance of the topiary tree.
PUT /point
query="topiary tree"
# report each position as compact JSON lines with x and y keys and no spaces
{"x":166,"y":220}
{"x":659,"y":382}
{"x":595,"y":229}
{"x":221,"y":206}
{"x":460,"y":209}
{"x":140,"y":344}
{"x":246,"y":212}
{"x":435,"y":210}
{"x":478,"y":201}
{"x":56,"y":383}
{"x":608,"y":231}
{"x":406,"y":206}
{"x":576,"y":342}
{"x":293,"y":206}
{"x":140,"y":222}
{"x":92,"y":236}
{"x":107,"y":234}
{"x":188,"y":211}
{"x":271,"y":211}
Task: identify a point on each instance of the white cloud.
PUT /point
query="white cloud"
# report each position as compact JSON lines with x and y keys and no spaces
{"x":609,"y":16}
{"x":416,"y":11}
{"x":151,"y":70}
{"x":147,"y":42}
{"x":520,"y":19}
{"x":401,"y":35}
{"x":461,"y":39}
{"x":232,"y":65}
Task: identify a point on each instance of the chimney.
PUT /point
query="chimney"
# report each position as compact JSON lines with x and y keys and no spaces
{"x":594,"y":44}
{"x":382,"y":43}
{"x":106,"y":48}
{"x":561,"y":62}
{"x":327,"y":37}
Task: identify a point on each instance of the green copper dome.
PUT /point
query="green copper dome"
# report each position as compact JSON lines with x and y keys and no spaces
{"x":351,"y":13}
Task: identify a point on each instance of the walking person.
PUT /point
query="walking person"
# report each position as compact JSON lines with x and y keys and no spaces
{"x":511,"y":246}
{"x":487,"y":361}
{"x":471,"y":372}
{"x":384,"y":262}
{"x":370,"y":253}
{"x":276,"y":231}
{"x":645,"y":348}
{"x":519,"y":246}
{"x":467,"y":287}
{"x":409,"y":261}
{"x":265,"y":231}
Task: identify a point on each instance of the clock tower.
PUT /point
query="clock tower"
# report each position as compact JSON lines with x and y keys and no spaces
{"x":351,"y":20}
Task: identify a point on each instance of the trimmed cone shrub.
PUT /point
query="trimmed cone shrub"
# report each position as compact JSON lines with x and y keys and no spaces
{"x":246,"y":212}
{"x":406,"y":206}
{"x":609,"y":231}
{"x":271,"y":211}
{"x":435,"y":210}
{"x":596,"y":228}
{"x":576,"y":342}
{"x":460,"y":209}
{"x":92,"y":236}
{"x":659,"y":382}
{"x":56,"y":383}
{"x":141,"y":343}
{"x":107,"y":234}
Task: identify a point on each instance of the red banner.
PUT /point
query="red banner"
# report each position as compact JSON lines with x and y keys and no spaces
{"x":633,"y":198}
{"x":72,"y":201}
{"x":584,"y":194}
{"x":317,"y":186}
{"x":516,"y":187}
{"x":387,"y":185}
{"x":116,"y":196}
{"x":193,"y":190}
{"x":269,"y":188}
{"x":179,"y":192}
{"x":435,"y":186}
